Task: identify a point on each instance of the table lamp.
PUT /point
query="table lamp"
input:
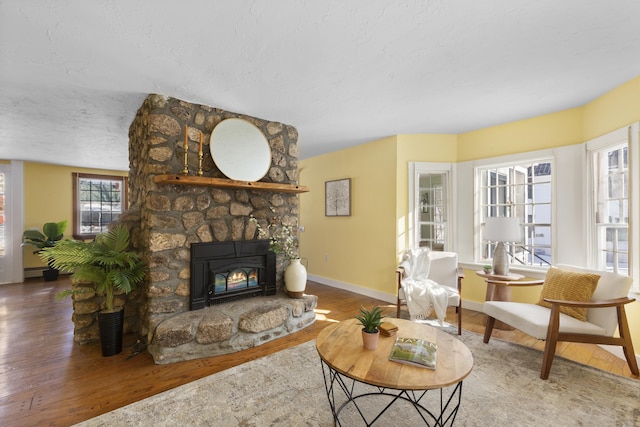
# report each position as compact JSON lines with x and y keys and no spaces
{"x":500,"y":230}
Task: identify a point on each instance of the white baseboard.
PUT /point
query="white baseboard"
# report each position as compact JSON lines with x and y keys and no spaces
{"x":383,"y":296}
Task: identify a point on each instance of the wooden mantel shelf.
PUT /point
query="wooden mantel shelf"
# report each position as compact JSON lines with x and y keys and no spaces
{"x":228,"y":183}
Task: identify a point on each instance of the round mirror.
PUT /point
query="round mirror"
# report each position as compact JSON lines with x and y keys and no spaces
{"x":240,"y":150}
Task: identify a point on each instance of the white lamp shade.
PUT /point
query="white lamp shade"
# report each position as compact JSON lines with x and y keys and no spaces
{"x":502,"y":229}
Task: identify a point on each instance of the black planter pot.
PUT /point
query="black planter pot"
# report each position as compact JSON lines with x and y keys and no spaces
{"x":111,"y":326}
{"x":50,"y":274}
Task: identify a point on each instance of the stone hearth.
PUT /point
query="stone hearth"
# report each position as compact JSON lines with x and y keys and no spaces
{"x":230,"y":327}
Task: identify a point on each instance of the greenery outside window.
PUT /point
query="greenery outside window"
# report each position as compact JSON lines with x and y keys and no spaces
{"x":98,"y":200}
{"x":521,"y":190}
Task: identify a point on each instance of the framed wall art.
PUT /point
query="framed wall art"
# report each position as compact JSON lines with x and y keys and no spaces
{"x":337,"y":197}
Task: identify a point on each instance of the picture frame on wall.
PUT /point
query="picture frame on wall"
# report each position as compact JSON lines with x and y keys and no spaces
{"x":337,"y":197}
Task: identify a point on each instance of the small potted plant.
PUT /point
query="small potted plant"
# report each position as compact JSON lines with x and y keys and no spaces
{"x":107,"y":263}
{"x":370,"y":321}
{"x":52,"y":232}
{"x":487,"y":268}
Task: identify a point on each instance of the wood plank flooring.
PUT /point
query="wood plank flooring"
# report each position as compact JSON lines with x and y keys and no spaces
{"x":48,"y":380}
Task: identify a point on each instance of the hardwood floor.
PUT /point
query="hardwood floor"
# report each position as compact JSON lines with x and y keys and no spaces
{"x":47,"y":379}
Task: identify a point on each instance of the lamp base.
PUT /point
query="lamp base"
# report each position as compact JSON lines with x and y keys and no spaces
{"x":500,"y":261}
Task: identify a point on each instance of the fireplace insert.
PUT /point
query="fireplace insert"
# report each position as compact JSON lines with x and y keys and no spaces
{"x":228,"y":271}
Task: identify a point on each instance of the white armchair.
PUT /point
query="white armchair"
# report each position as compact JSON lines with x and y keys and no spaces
{"x":443,"y":269}
{"x":604,"y":314}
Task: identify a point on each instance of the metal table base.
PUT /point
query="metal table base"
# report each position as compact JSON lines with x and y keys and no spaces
{"x":341,"y":392}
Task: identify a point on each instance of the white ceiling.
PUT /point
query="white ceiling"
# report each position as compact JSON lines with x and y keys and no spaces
{"x":343,"y":72}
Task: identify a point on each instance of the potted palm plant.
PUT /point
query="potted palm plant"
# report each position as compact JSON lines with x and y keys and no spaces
{"x":107,"y":263}
{"x":370,"y":321}
{"x":51,"y":233}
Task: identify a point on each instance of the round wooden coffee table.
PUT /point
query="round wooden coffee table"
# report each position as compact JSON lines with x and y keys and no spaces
{"x":346,"y":362}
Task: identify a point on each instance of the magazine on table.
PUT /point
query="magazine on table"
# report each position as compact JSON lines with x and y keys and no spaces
{"x":414,"y":351}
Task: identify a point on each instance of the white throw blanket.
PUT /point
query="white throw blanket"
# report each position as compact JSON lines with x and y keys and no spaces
{"x":422,"y":294}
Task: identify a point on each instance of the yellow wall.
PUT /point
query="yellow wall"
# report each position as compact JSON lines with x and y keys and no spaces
{"x":359,"y":249}
{"x":613,"y":110}
{"x":371,"y":259}
{"x":48,"y":197}
{"x":537,"y":133}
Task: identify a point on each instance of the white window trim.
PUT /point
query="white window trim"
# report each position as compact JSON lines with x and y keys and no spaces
{"x":77,"y":214}
{"x":508,"y":161}
{"x":632,"y":134}
{"x":417,"y":168}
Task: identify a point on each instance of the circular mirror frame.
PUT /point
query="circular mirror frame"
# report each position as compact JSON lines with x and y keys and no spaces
{"x":240,"y":150}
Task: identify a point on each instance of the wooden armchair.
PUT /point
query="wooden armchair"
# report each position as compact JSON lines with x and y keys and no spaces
{"x":604,"y":313}
{"x":443,"y":270}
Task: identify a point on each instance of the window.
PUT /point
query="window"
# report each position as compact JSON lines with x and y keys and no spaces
{"x":430,"y":205}
{"x":611,"y":207}
{"x":98,"y":200}
{"x":613,"y":200}
{"x":521,"y":190}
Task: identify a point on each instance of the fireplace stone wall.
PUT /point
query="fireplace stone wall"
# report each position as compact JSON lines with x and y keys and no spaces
{"x":166,"y":219}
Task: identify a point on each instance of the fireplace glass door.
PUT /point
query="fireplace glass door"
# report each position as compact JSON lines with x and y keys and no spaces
{"x":236,"y":279}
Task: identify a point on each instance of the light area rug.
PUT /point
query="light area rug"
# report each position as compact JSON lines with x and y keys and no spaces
{"x":287,"y":389}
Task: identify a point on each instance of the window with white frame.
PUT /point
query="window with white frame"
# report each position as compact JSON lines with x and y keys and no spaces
{"x":611,"y":208}
{"x":613,"y":200}
{"x":521,"y":190}
{"x":98,"y":200}
{"x":430,"y":205}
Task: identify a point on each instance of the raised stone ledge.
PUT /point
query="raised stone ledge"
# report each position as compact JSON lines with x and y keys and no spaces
{"x":230,"y":327}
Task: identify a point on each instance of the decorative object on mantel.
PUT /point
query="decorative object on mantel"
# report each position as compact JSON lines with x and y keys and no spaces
{"x":200,"y":155}
{"x":229,"y":183}
{"x":240,"y":150}
{"x":337,"y":197}
{"x":370,"y":321}
{"x":185,"y":169}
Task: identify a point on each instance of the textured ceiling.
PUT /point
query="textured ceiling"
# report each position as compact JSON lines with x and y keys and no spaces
{"x":343,"y":72}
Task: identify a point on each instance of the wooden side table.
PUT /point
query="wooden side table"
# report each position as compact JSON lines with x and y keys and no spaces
{"x":499,"y":289}
{"x":346,"y":362}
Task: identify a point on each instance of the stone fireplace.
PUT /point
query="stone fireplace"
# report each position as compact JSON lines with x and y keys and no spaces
{"x":185,"y":311}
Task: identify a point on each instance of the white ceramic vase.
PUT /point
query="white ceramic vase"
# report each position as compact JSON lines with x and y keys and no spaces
{"x":295,"y":278}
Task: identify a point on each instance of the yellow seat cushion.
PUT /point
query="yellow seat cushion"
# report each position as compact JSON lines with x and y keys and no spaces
{"x":569,"y":286}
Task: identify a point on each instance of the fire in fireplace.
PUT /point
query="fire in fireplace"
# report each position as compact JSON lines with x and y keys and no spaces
{"x":228,"y":271}
{"x":240,"y":278}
